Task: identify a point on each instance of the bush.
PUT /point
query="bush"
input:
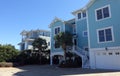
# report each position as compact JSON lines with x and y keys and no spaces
{"x":77,"y":63}
{"x":5,"y":64}
{"x":8,"y":53}
{"x":68,"y":65}
{"x":26,"y":58}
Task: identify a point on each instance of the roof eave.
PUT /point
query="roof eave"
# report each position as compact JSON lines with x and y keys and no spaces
{"x":84,"y":8}
{"x":54,"y":20}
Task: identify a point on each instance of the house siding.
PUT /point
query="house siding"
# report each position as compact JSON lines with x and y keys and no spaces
{"x":97,"y":48}
{"x":110,"y":22}
{"x":54,"y":25}
{"x":68,"y":28}
{"x":81,"y":25}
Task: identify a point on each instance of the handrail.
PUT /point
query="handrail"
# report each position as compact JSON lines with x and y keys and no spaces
{"x":77,"y":49}
{"x":80,"y":50}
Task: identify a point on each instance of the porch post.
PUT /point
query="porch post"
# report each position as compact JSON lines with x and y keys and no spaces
{"x":82,"y":61}
{"x":51,"y":60}
{"x":73,"y":45}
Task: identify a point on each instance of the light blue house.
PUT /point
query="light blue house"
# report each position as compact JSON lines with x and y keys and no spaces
{"x":103,"y":28}
{"x":77,"y":27}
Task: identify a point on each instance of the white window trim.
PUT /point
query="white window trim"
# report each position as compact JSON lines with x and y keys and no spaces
{"x":55,"y":28}
{"x":102,"y":12}
{"x":105,"y":36}
{"x":82,"y":18}
{"x":84,"y":34}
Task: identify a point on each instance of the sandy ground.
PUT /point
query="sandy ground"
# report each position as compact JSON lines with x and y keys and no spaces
{"x":46,"y":70}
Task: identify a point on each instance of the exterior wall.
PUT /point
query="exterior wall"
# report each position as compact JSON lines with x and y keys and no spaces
{"x":113,"y":22}
{"x":62,"y":29}
{"x":81,"y":25}
{"x":68,"y":28}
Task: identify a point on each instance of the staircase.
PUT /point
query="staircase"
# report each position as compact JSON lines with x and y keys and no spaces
{"x":83,"y":54}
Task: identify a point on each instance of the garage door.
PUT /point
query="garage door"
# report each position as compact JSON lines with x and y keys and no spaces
{"x":107,"y":59}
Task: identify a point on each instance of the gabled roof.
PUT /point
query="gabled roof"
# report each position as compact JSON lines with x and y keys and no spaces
{"x":84,"y":8}
{"x":54,"y":20}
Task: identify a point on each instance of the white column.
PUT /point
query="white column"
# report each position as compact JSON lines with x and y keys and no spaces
{"x":51,"y":62}
{"x":73,"y":45}
{"x":82,"y":61}
{"x":60,"y":59}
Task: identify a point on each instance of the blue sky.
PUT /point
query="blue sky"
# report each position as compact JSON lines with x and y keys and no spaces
{"x":18,"y":15}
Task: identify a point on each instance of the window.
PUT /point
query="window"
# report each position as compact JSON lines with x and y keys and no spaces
{"x":57,"y":45}
{"x":105,"y":35}
{"x":101,"y":36}
{"x":85,"y":34}
{"x":110,"y":53}
{"x":82,"y":15}
{"x":99,"y":14}
{"x":48,"y":43}
{"x":57,"y":30}
{"x":117,"y":53}
{"x":41,"y":33}
{"x":79,"y":15}
{"x":103,"y":13}
{"x":106,"y":12}
{"x":74,"y":29}
{"x":108,"y":35}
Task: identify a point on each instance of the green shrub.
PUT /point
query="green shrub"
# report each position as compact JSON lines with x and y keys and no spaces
{"x":8,"y":53}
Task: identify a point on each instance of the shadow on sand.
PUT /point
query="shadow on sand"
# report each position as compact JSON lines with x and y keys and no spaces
{"x":46,"y":70}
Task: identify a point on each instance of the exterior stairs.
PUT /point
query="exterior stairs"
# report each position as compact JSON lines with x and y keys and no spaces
{"x":83,"y":54}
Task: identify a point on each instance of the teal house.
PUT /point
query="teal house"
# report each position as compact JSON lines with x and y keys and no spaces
{"x":78,"y":28}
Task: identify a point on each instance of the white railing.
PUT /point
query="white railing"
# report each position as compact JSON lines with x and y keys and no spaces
{"x":82,"y":51}
{"x":77,"y":49}
{"x":85,"y":60}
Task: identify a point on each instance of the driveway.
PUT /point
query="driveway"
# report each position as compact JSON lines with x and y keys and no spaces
{"x":46,"y":70}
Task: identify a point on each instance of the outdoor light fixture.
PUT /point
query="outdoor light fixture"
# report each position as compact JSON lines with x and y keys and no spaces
{"x":106,"y":48}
